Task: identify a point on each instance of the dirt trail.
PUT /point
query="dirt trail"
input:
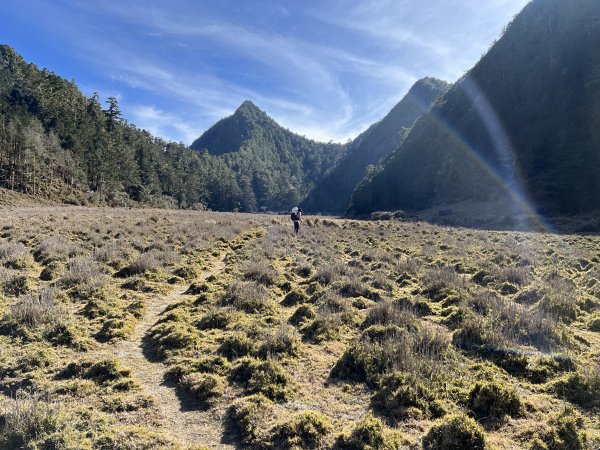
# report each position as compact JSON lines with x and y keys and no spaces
{"x":189,"y":426}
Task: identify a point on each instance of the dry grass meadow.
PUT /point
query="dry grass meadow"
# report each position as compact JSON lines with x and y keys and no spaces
{"x":139,"y":329}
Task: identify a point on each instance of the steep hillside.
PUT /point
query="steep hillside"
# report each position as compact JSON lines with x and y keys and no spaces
{"x":275,"y":167}
{"x":522,"y":127}
{"x":57,"y":144}
{"x":332,"y":195}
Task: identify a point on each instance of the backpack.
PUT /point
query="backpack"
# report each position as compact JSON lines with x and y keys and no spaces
{"x":294,"y":217}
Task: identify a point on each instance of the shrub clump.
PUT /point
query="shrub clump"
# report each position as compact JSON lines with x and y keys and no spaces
{"x":235,"y":346}
{"x":146,"y":262}
{"x":559,"y":299}
{"x":67,"y":335}
{"x":305,"y":430}
{"x":303,"y":270}
{"x":369,"y":433}
{"x":218,"y":318}
{"x":187,"y":272}
{"x":493,"y":401}
{"x":567,"y":431}
{"x":197,"y":288}
{"x":401,"y":395}
{"x":54,"y":248}
{"x":564,"y":431}
{"x":204,"y":387}
{"x":115,"y":328}
{"x":334,"y":304}
{"x":168,"y":337}
{"x":132,"y":438}
{"x":248,"y":417}
{"x":382,"y":333}
{"x":386,"y":349}
{"x":535,"y":369}
{"x":249,"y":297}
{"x":35,"y":310}
{"x":126,"y":403}
{"x":284,"y":342}
{"x":594,"y":324}
{"x":261,"y":272}
{"x":15,"y":285}
{"x":353,"y":287}
{"x":52,"y":271}
{"x":455,"y":432}
{"x":210,"y":364}
{"x":294,"y":297}
{"x":81,"y":272}
{"x":441,"y":282}
{"x":15,"y":256}
{"x":324,"y":327}
{"x":581,"y":387}
{"x":302,"y":314}
{"x":326,"y":275}
{"x":107,"y":372}
{"x":35,"y":422}
{"x":509,"y":323}
{"x":388,"y":313}
{"x":263,"y":377}
{"x":137,"y":284}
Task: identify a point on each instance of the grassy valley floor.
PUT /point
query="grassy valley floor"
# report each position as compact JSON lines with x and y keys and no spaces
{"x":133,"y":329}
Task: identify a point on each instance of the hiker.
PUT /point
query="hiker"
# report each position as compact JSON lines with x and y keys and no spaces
{"x":296,"y":218}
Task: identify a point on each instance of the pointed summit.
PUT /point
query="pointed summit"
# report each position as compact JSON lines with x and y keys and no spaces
{"x":250,"y":110}
{"x":248,"y":105}
{"x":276,"y":168}
{"x":228,"y":134}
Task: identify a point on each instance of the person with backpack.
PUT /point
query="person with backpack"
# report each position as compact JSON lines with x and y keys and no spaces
{"x":296,"y":218}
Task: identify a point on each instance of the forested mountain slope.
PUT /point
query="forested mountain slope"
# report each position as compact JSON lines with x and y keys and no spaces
{"x":523,"y":123}
{"x":275,"y":167}
{"x":56,"y":143}
{"x":332,"y":195}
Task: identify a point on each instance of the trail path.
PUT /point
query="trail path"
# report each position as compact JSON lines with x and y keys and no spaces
{"x":189,"y":425}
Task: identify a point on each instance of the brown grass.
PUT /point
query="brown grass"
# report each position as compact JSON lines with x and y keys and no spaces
{"x":406,"y":321}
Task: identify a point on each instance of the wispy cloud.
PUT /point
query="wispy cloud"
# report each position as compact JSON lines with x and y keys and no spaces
{"x":311,"y":97}
{"x":324,"y":69}
{"x":162,"y":123}
{"x":444,"y":37}
{"x":208,"y":98}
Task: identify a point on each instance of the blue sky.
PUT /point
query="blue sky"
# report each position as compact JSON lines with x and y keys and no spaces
{"x":323,"y":68}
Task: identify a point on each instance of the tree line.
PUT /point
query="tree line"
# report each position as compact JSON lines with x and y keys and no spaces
{"x":56,"y":142}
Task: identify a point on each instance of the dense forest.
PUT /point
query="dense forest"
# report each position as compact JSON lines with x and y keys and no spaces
{"x":522,"y":128}
{"x":58,"y":144}
{"x":332,"y":195}
{"x":275,"y":168}
{"x":524,"y":122}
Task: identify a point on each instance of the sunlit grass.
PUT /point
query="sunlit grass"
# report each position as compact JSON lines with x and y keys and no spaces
{"x":351,"y":332}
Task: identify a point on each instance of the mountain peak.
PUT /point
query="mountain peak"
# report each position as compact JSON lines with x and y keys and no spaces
{"x":431,"y":81}
{"x":265,"y":156}
{"x":508,"y":137}
{"x":333,"y":194}
{"x":426,"y":85}
{"x":247,"y":105}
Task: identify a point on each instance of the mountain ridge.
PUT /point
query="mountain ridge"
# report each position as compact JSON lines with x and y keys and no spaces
{"x":275,"y":167}
{"x":246,"y":110}
{"x":333,"y":194}
{"x":518,"y":128}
